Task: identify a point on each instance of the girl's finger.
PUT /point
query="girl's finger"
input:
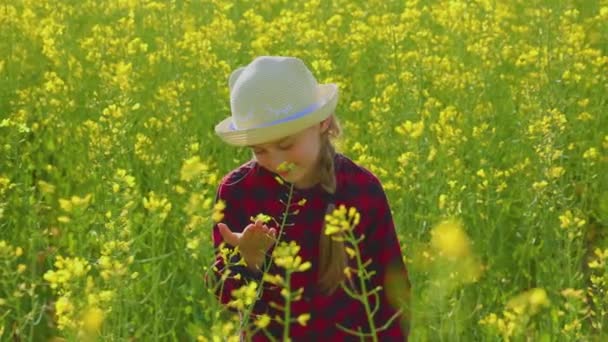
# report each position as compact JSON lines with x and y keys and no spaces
{"x":228,"y":236}
{"x":263,"y":229}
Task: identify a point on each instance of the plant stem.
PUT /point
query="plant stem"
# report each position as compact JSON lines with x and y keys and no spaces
{"x":247,"y":314}
{"x":287,"y":318}
{"x":364,"y":294}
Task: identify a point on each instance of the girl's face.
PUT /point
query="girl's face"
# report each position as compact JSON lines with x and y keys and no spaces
{"x":301,"y":149}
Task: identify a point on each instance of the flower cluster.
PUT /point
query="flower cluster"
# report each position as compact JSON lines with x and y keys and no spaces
{"x":341,"y":220}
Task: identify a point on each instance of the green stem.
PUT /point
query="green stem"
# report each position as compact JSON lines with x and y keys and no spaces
{"x":364,"y":294}
{"x":247,"y":314}
{"x":287,"y":318}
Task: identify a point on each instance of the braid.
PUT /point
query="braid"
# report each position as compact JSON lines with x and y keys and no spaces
{"x":332,"y":254}
{"x":328,"y":175}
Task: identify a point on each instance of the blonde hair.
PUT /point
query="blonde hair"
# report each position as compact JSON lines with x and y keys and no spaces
{"x":332,"y":254}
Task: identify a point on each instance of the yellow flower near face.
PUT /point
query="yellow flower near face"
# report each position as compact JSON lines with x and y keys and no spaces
{"x":449,"y":238}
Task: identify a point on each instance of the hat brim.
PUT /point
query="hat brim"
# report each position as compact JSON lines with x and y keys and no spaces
{"x":328,"y":99}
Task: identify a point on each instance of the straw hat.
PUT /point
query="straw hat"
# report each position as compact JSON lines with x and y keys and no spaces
{"x":274,"y":97}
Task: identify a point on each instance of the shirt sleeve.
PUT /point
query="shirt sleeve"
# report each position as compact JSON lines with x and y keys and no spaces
{"x":236,"y":274}
{"x":381,"y":244}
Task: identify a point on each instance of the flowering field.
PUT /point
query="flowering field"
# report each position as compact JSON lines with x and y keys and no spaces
{"x":485,"y":121}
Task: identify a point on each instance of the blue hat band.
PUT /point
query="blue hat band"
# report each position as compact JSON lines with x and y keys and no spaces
{"x":292,"y":117}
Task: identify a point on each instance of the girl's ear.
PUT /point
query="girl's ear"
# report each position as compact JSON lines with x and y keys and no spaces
{"x":325,"y":125}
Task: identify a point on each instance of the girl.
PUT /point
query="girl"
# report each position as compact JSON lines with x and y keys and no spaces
{"x":284,"y":116}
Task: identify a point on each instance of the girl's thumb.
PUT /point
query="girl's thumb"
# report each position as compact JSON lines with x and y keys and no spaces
{"x":227,"y":234}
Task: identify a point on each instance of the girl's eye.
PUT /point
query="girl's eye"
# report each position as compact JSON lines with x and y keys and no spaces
{"x":286,"y":147}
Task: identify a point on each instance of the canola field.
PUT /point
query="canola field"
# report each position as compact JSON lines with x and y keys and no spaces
{"x":486,"y":122}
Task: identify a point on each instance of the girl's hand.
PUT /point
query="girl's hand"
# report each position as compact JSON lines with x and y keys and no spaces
{"x":253,"y":242}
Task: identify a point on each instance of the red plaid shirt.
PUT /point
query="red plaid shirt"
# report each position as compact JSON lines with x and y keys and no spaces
{"x":251,"y":189}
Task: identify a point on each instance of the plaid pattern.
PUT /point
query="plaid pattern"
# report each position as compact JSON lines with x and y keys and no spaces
{"x":251,"y":189}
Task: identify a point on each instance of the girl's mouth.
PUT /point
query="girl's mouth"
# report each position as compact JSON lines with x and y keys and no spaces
{"x":285,"y":168}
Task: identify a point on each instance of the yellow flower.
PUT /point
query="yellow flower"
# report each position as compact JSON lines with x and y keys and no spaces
{"x":572,"y":293}
{"x":538,"y":298}
{"x":285,"y":255}
{"x":274,"y":279}
{"x":65,"y":204}
{"x":591,"y":154}
{"x":539,"y":185}
{"x":192,"y":168}
{"x":218,"y":211}
{"x":555,"y":172}
{"x":156,"y":204}
{"x":285,"y":166}
{"x":449,"y":238}
{"x":304,"y":266}
{"x":46,"y":188}
{"x":568,"y":220}
{"x":351,"y":252}
{"x":92,"y":319}
{"x":442,"y":201}
{"x":244,"y":296}
{"x":261,"y":216}
{"x":412,"y":129}
{"x":303,"y":319}
{"x":341,"y":220}
{"x":63,"y":305}
{"x":262,"y":321}
{"x":356,"y":106}
{"x":75,"y":203}
{"x":63,"y":219}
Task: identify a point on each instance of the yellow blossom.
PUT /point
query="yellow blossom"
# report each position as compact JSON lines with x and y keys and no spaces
{"x":341,"y":220}
{"x":262,"y":321}
{"x":285,"y":255}
{"x":591,"y":154}
{"x":157,"y":204}
{"x":218,"y":211}
{"x":192,"y":168}
{"x":286,"y":167}
{"x":450,"y":240}
{"x":45,"y":187}
{"x":93,"y":319}
{"x":539,"y":185}
{"x":75,"y":203}
{"x":262,"y":217}
{"x":244,"y":296}
{"x":303,"y":319}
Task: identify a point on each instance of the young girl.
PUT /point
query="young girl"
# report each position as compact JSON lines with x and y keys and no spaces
{"x":284,"y":116}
